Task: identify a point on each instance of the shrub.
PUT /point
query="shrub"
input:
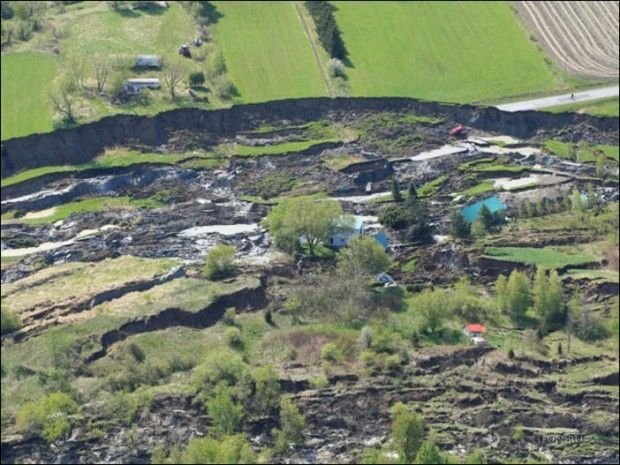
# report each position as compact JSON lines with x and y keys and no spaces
{"x":229,"y":316}
{"x":429,"y":453}
{"x":407,"y":431}
{"x":267,"y":388}
{"x":292,"y":425}
{"x":196,"y":79}
{"x":365,"y":338}
{"x":223,"y":88}
{"x":233,"y":337}
{"x":9,"y":321}
{"x":226,"y":415}
{"x":220,"y":262}
{"x":336,"y":68}
{"x":225,"y":449}
{"x":47,"y":416}
{"x":223,"y":366}
{"x":330,"y":352}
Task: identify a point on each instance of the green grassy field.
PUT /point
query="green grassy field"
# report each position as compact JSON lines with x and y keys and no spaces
{"x":585,"y":152}
{"x":26,"y":80}
{"x":604,"y":107}
{"x":546,"y":257}
{"x":267,"y":53}
{"x":101,"y":30}
{"x":454,"y":52}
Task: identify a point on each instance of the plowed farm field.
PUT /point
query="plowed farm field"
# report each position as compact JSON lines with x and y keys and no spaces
{"x":581,"y":37}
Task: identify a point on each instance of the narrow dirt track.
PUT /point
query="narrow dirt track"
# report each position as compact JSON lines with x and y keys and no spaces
{"x":581,"y":37}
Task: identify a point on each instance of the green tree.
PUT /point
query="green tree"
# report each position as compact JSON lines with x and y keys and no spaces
{"x":576,"y":202}
{"x":566,"y":201}
{"x":196,"y":79}
{"x":433,"y":306}
{"x":226,"y":415}
{"x":220,"y":262}
{"x":407,"y":431}
{"x":412,"y":193}
{"x":486,"y":217}
{"x":314,"y":220}
{"x":518,"y":294}
{"x":172,"y":75}
{"x":555,"y":301}
{"x":363,"y":257}
{"x":501,"y":291}
{"x":478,"y":230}
{"x":541,"y":304}
{"x":540,"y":207}
{"x":396,"y":195}
{"x":429,"y":454}
{"x":459,"y":226}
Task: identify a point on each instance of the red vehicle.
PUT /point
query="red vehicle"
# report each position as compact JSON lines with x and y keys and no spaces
{"x":457,"y":131}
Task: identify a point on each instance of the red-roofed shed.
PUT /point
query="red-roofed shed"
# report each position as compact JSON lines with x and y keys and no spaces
{"x":474,"y":329}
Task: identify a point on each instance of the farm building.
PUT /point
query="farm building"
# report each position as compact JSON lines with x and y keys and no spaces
{"x":136,"y":85}
{"x":147,"y":62}
{"x":474,"y":329}
{"x":360,"y":225}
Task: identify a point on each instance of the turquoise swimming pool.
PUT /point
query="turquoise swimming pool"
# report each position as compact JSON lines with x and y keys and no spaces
{"x":471,"y":212}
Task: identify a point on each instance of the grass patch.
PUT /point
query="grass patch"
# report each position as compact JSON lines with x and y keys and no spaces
{"x":498,"y":168}
{"x":111,"y":159}
{"x":431,"y":187}
{"x":500,"y":60}
{"x":467,"y":166}
{"x":546,"y":257}
{"x":276,"y":149}
{"x":585,"y":153}
{"x":267,"y":53}
{"x":337,"y":162}
{"x":78,"y":280}
{"x":594,"y":275}
{"x":484,"y":186}
{"x":95,"y":204}
{"x":603,"y":107}
{"x":26,"y":80}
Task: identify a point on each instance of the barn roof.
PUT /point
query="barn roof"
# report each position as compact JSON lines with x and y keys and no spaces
{"x":475,"y":328}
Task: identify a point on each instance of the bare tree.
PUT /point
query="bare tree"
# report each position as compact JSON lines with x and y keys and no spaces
{"x":76,"y":66}
{"x":172,"y":76}
{"x":103,"y":67}
{"x":62,"y":99}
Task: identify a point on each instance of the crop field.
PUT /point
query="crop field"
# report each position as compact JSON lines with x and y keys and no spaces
{"x":455,"y":52}
{"x":582,"y":37}
{"x":267,"y":54}
{"x":26,"y":79}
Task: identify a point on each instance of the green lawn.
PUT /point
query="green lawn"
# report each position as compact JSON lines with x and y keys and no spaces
{"x":546,"y":257}
{"x":603,"y":107}
{"x":266,"y":50}
{"x":101,"y":30}
{"x":585,"y":152}
{"x":26,"y":80}
{"x":446,"y":51}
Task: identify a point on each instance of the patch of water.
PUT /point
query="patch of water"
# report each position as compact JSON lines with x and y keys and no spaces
{"x":471,"y":212}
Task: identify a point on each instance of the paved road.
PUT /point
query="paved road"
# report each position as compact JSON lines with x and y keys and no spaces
{"x":556,"y":100}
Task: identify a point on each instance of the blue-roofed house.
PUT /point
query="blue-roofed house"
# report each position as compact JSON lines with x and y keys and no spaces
{"x":345,"y":230}
{"x":354,"y":226}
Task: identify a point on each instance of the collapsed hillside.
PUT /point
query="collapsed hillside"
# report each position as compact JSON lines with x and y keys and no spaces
{"x":102,"y":250}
